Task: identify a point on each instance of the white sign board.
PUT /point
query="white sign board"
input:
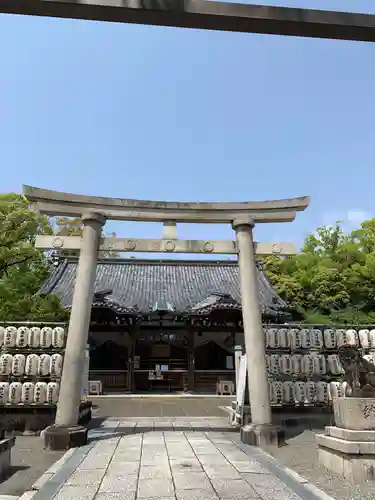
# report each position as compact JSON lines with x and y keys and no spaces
{"x":241,"y":383}
{"x":85,"y":376}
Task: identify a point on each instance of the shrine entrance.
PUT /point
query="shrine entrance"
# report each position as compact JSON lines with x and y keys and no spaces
{"x":161,"y":362}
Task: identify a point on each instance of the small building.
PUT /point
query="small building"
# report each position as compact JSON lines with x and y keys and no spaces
{"x":164,"y":325}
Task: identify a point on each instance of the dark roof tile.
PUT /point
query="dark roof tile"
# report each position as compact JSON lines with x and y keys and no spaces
{"x":138,"y":285}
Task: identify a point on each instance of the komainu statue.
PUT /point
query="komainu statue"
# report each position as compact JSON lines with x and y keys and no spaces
{"x":359,"y":372}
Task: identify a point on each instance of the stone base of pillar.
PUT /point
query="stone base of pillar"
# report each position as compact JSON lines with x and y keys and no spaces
{"x":63,"y":437}
{"x":263,"y":435}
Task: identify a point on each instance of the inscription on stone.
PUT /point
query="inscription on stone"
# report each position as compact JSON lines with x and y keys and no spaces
{"x":369,"y":411}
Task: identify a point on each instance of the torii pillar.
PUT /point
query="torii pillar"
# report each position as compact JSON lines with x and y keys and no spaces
{"x":66,"y":433}
{"x":260,"y":432}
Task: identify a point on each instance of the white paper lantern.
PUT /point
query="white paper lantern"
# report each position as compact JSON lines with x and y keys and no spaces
{"x":18,"y":364}
{"x":372,"y":339}
{"x":320,"y":365}
{"x":282,"y":337}
{"x":311,"y":393}
{"x":58,"y":337}
{"x":34,"y":337}
{"x":334,"y":364}
{"x":330,"y":338}
{"x":27,"y":393}
{"x":288,"y":392}
{"x":297,"y":364}
{"x":306,"y":338}
{"x":267,"y":363}
{"x":6,"y":364}
{"x":56,"y":365}
{"x":364,"y":339}
{"x":275,"y":364}
{"x":270,"y":391}
{"x":277,"y":392}
{"x":335,"y":390}
{"x":40,"y":393}
{"x":32,"y":365}
{"x":15,"y":393}
{"x":10,"y":336}
{"x":351,"y":337}
{"x":295,"y":340}
{"x":22,"y":336}
{"x":316,"y":338}
{"x":4,"y":393}
{"x":2,"y":333}
{"x":340,"y":337}
{"x":307,"y":365}
{"x":272,"y":338}
{"x":322,"y":392}
{"x":265,"y":337}
{"x":46,"y":337}
{"x":52,"y":392}
{"x":286,"y":364}
{"x":44,"y":365}
{"x":300,"y":392}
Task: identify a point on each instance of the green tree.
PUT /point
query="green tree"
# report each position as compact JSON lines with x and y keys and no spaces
{"x":332,"y":278}
{"x":19,"y":226}
{"x":23,"y":268}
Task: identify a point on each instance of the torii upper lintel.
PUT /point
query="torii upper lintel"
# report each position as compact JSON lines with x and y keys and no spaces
{"x":74,"y":205}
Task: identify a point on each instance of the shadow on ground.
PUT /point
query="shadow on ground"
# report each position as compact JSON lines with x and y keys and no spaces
{"x":13,"y":470}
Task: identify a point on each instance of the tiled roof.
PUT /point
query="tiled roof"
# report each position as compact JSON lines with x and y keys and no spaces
{"x":215,"y":301}
{"x":175,"y":285}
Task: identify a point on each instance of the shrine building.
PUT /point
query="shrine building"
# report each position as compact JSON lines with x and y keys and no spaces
{"x":179,"y":317}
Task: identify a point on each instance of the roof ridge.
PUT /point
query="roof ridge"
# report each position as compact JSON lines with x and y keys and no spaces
{"x":156,"y":262}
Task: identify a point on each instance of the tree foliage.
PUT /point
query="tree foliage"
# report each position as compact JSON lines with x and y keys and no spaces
{"x":332,"y":279}
{"x":19,"y":226}
{"x":23,"y":268}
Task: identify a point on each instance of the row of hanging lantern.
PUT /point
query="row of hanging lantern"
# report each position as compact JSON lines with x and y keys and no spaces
{"x":33,"y":337}
{"x":31,"y":365}
{"x":28,"y":393}
{"x":314,"y":338}
{"x":305,"y":392}
{"x":306,"y":364}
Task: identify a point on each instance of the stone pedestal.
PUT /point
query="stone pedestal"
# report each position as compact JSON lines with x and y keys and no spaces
{"x":263,"y":435}
{"x":348,"y":449}
{"x":64,"y":437}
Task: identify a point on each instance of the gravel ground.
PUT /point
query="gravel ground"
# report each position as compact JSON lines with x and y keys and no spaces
{"x":29,"y":462}
{"x":301,"y":455}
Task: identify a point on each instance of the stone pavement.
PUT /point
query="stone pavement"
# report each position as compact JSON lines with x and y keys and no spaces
{"x":168,"y":460}
{"x":132,"y":406}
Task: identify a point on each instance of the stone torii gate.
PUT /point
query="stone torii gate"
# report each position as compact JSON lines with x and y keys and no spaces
{"x":94,"y":211}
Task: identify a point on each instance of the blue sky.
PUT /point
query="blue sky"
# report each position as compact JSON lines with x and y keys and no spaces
{"x":187,"y":115}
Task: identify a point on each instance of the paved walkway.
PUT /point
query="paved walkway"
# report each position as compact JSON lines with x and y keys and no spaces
{"x":169,"y":460}
{"x":151,"y":406}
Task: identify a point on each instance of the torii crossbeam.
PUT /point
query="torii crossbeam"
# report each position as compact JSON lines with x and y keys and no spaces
{"x":207,"y":15}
